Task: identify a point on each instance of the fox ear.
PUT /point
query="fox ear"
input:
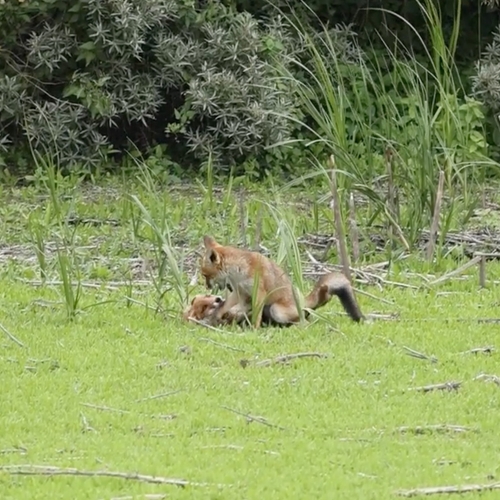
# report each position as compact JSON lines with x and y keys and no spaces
{"x":213,"y":256}
{"x":209,"y":242}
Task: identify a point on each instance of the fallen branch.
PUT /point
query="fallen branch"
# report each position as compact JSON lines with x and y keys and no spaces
{"x":421,"y":429}
{"x":438,"y":490}
{"x":252,"y":418}
{"x":146,"y":496}
{"x":419,"y":355}
{"x":440,"y":387}
{"x":485,"y":350}
{"x":49,"y":470}
{"x":489,"y":378}
{"x":11,"y":337}
{"x":124,"y":412}
{"x":17,"y":449}
{"x":157,"y":396}
{"x":288,"y":357}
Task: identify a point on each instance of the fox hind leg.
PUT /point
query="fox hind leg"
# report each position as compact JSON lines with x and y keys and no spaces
{"x":280,"y":314}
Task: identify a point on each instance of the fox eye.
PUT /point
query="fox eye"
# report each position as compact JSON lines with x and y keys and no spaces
{"x":218,"y":300}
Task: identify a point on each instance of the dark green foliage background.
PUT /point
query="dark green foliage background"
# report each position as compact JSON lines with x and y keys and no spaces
{"x":179,"y":80}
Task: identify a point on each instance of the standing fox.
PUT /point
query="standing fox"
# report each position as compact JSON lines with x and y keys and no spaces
{"x":244,"y":273}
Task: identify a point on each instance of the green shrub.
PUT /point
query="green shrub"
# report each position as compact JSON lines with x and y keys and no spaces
{"x":79,"y":83}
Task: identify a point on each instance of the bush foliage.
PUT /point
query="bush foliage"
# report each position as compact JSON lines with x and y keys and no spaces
{"x":199,"y":79}
{"x":84,"y":81}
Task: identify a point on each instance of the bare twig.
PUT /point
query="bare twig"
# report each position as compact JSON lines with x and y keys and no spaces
{"x":488,"y":378}
{"x":252,"y":418}
{"x":382,"y":317}
{"x":419,"y":355}
{"x":146,"y":496}
{"x":476,"y":350}
{"x":288,"y":357}
{"x":488,"y":320}
{"x":17,"y":449}
{"x":11,"y":337}
{"x":439,"y":490}
{"x":157,"y":396}
{"x":104,"y":408}
{"x":422,"y":429}
{"x":440,"y":387}
{"x":125,"y":412}
{"x":49,"y":470}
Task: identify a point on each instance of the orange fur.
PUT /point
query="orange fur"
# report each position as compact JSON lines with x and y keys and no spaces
{"x":203,"y":308}
{"x":242,"y":270}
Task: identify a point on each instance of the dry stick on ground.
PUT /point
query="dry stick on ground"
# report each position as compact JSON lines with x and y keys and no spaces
{"x":439,"y":490}
{"x":146,"y":496}
{"x":484,"y":350}
{"x":48,"y":470}
{"x":435,"y":218}
{"x":421,"y":429}
{"x":457,"y":271}
{"x":439,"y":387}
{"x":18,"y":449}
{"x":288,"y":357}
{"x":353,"y":229}
{"x":11,"y":337}
{"x":419,"y":355}
{"x":337,"y":217}
{"x":158,"y":396}
{"x":252,"y":418}
{"x":126,"y":412}
{"x":488,"y":378}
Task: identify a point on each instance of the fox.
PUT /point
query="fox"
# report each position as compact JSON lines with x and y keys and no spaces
{"x":202,"y":307}
{"x":244,"y":272}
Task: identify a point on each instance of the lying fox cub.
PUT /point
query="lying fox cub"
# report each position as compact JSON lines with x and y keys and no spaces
{"x":237,"y":270}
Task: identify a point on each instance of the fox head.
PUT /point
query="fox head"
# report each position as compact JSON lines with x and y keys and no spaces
{"x":212,"y":264}
{"x":202,"y":306}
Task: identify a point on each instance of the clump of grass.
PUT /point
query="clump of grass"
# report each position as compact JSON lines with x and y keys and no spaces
{"x":357,"y":108}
